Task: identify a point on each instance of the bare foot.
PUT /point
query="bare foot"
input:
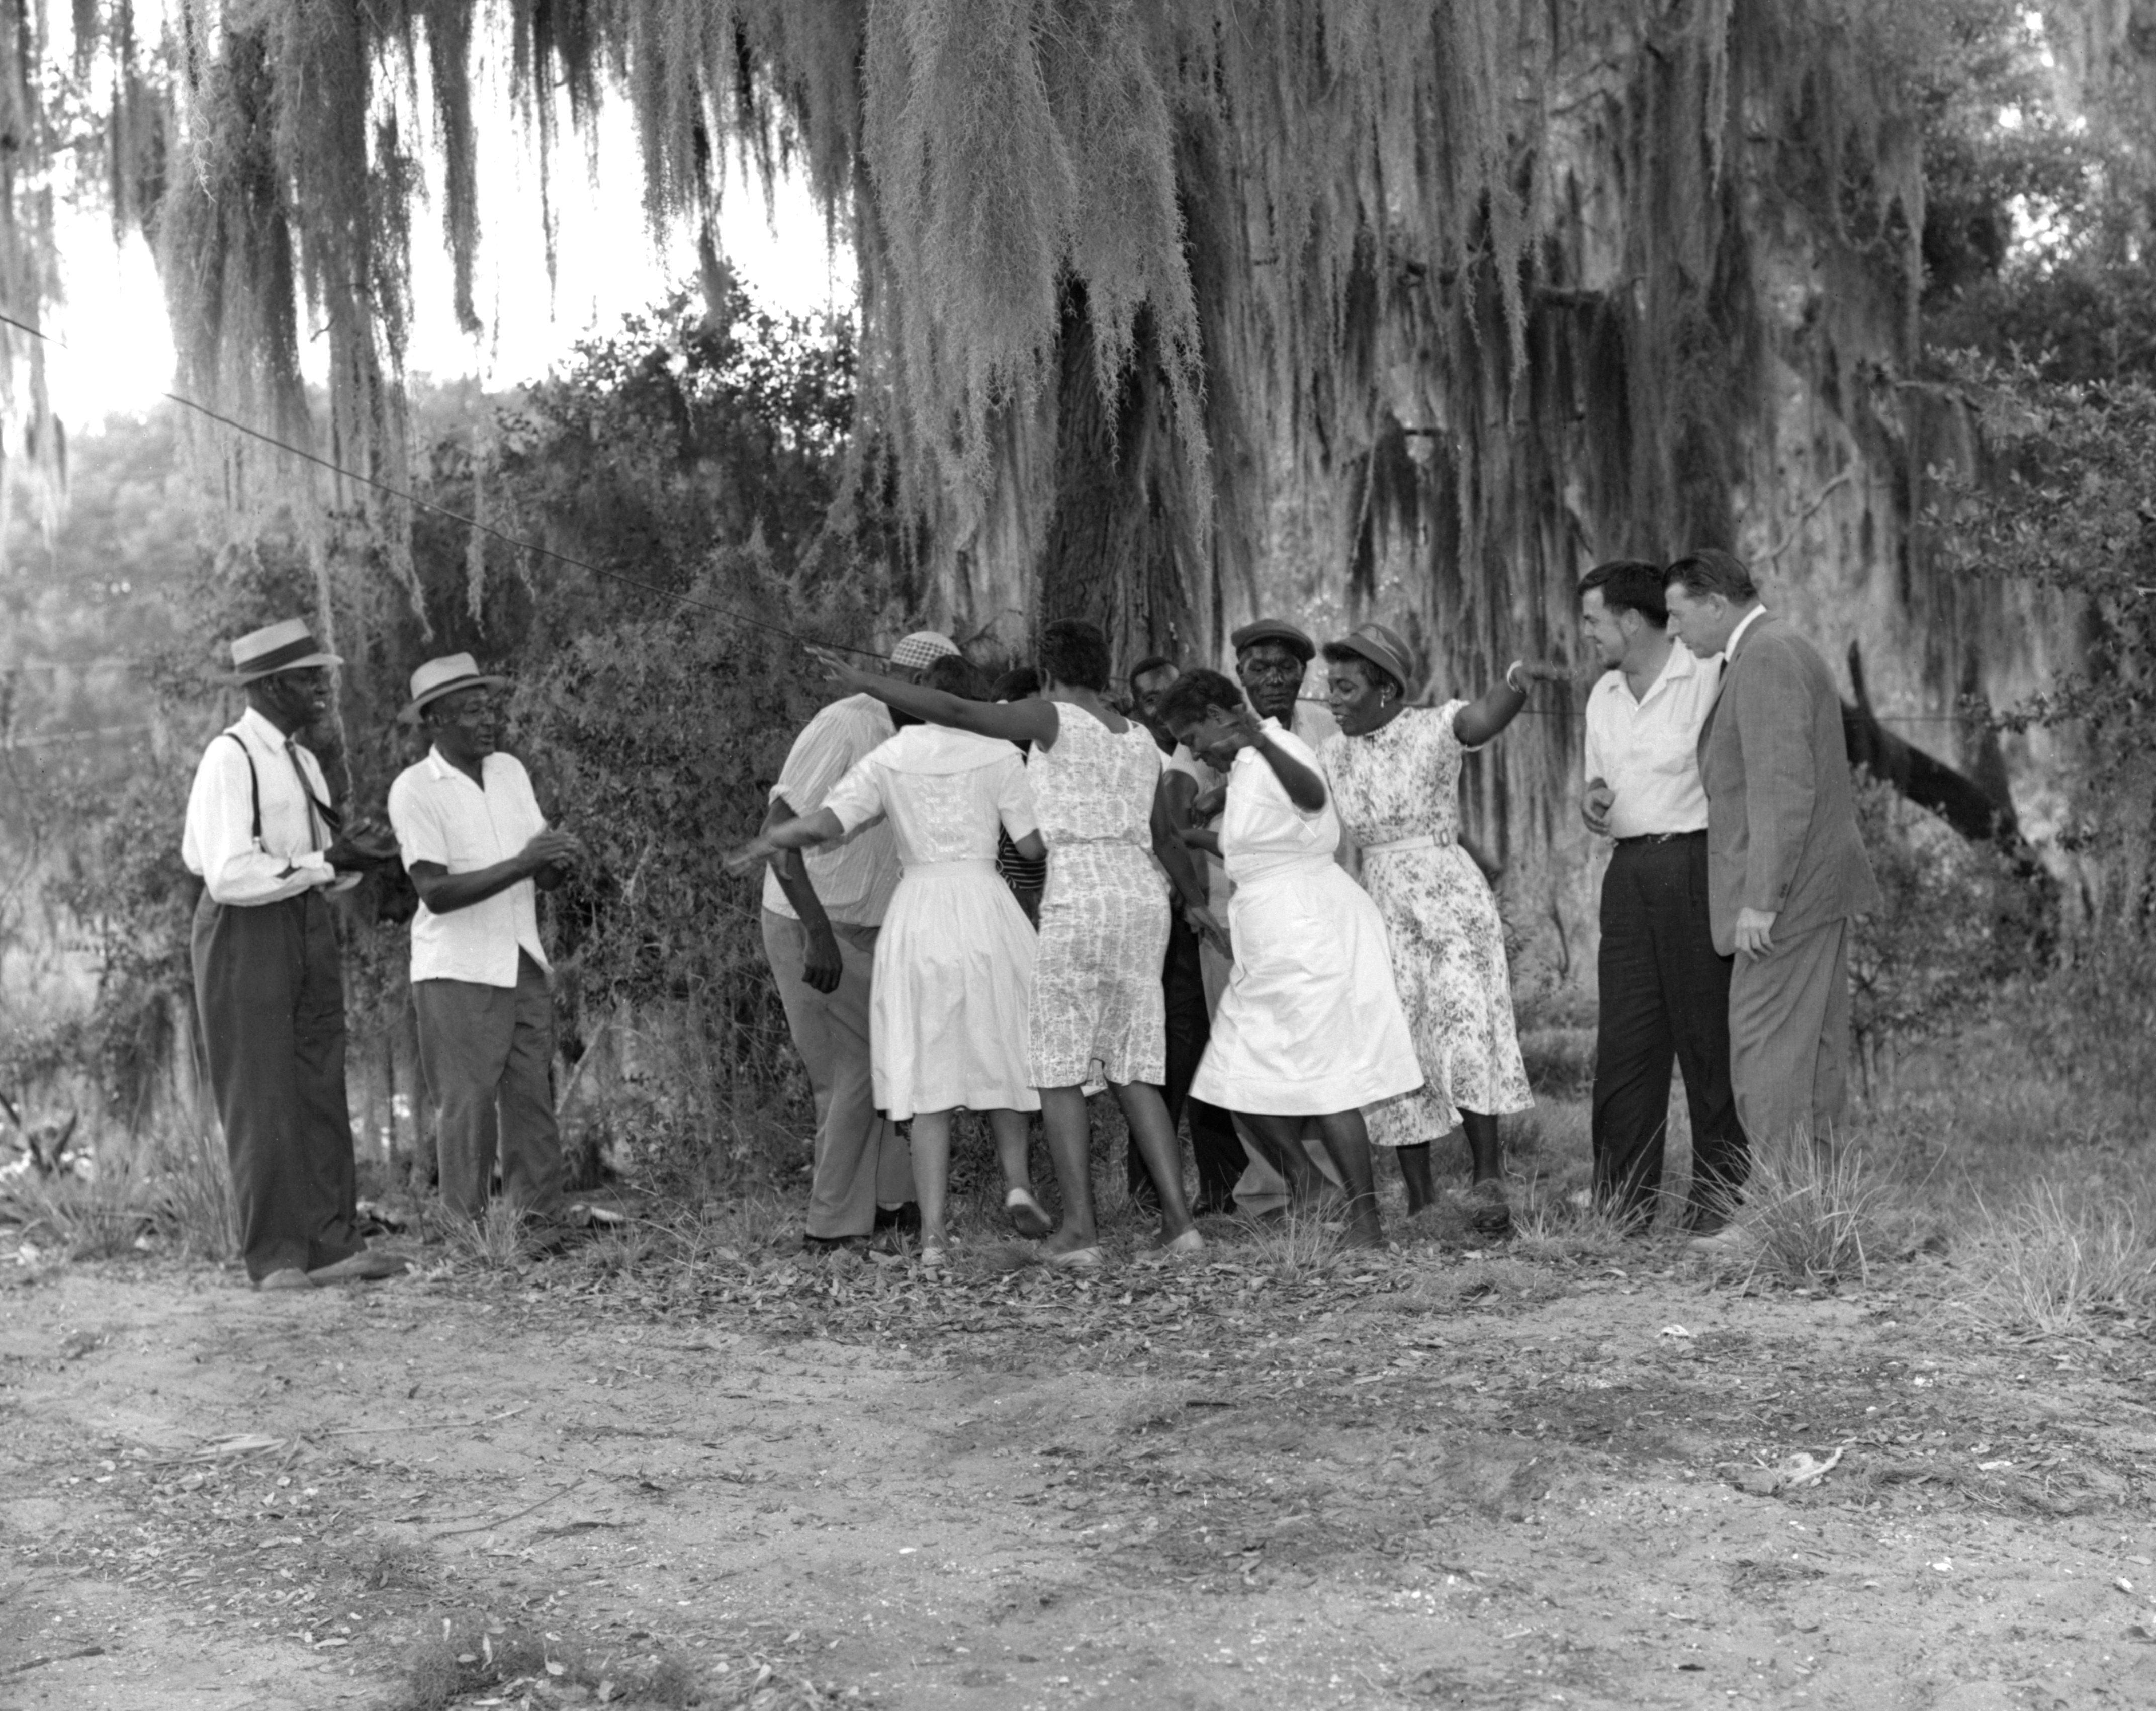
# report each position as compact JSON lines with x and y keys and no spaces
{"x":1067,"y":1241}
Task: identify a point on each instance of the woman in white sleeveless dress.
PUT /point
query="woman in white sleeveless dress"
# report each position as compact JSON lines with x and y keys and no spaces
{"x":1310,"y":1025}
{"x":1097,"y":1008}
{"x":951,"y":997}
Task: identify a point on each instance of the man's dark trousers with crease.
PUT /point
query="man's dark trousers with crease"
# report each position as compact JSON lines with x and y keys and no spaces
{"x":1214,"y":1144}
{"x":1664,"y":994}
{"x":270,"y":988}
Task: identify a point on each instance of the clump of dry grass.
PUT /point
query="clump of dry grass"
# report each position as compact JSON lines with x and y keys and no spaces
{"x":95,"y":1217}
{"x":1547,"y":1224}
{"x":1299,"y":1246}
{"x":192,"y":1197}
{"x":494,"y":1242}
{"x":2059,"y":1259}
{"x":1819,"y":1213}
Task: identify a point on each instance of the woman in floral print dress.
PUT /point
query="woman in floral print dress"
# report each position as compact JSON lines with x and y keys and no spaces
{"x":1394,"y":771}
{"x":1097,"y":1008}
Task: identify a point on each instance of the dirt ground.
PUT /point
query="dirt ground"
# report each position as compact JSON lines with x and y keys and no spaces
{"x":1431,"y":1477}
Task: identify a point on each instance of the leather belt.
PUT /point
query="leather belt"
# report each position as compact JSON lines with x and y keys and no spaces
{"x":1660,"y":837}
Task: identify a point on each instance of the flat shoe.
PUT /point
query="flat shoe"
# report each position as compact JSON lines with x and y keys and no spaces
{"x":290,"y":1277}
{"x":1181,"y":1247}
{"x":1025,"y":1215}
{"x":362,"y":1267}
{"x":1076,"y":1259}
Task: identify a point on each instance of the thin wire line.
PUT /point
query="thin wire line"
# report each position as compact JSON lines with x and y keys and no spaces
{"x":443,"y":511}
{"x":739,"y":617}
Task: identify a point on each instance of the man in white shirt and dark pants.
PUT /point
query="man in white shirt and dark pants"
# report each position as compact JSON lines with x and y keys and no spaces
{"x":269,"y":980}
{"x":479,"y":850}
{"x":822,"y":910}
{"x":1664,"y":991}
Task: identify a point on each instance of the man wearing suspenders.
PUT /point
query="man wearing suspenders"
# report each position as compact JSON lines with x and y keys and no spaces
{"x":269,"y":985}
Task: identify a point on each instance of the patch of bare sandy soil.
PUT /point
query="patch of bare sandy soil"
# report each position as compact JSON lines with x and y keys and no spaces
{"x":1426,"y":1479}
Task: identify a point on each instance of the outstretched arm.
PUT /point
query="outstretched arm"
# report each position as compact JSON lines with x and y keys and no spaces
{"x":1015,"y":720}
{"x":820,"y":827}
{"x":1479,"y":721}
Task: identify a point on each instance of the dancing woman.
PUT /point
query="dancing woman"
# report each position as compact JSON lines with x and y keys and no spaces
{"x":1394,"y":770}
{"x":1310,"y":1024}
{"x":953,"y":970}
{"x":1097,"y":1008}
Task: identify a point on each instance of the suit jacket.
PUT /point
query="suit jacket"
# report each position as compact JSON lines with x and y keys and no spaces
{"x":1781,"y":811}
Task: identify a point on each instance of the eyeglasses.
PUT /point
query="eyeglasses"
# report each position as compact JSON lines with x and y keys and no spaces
{"x":1262,"y":666}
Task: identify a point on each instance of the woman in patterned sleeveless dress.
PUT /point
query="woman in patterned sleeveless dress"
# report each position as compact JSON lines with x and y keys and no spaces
{"x":1394,"y":771}
{"x":1097,"y":1006}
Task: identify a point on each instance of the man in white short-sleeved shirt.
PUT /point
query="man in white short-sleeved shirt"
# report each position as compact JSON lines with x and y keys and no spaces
{"x":822,"y":910}
{"x":479,"y":850}
{"x":1664,"y":993}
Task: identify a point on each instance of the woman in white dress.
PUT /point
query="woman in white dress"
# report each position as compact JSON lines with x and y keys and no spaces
{"x":953,"y":983}
{"x":1394,"y":770}
{"x":1097,"y":1009}
{"x":1310,"y":1024}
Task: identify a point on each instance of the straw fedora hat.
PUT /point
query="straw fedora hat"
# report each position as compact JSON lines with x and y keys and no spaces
{"x":287,"y":646}
{"x":446,"y":676}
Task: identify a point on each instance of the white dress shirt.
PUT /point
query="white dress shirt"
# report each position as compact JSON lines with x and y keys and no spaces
{"x":1736,"y":635}
{"x":219,"y":843}
{"x":1646,"y":748}
{"x":854,"y":877}
{"x":440,"y":815}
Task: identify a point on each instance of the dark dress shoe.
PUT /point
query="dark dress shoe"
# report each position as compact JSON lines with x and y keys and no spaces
{"x":906,"y":1219}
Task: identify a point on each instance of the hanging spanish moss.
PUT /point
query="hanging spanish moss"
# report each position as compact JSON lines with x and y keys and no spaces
{"x":30,"y":442}
{"x":1170,"y":310}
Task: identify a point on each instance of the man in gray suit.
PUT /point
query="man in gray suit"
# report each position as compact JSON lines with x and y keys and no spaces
{"x":1786,"y":868}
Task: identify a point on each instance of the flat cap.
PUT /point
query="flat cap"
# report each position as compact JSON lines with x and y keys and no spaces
{"x":1274,"y":629}
{"x":922,"y":649}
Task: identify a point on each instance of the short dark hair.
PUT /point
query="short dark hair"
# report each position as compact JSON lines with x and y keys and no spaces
{"x":1376,"y":676}
{"x":1709,"y":570}
{"x":1189,"y":696}
{"x":954,"y":674}
{"x":1151,"y":663}
{"x":1016,"y":684}
{"x":1630,"y":585}
{"x":1074,"y":652}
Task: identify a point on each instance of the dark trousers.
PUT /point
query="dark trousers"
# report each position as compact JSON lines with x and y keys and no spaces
{"x":488,"y":1053}
{"x":1664,"y":994}
{"x":1213,"y":1140}
{"x":270,"y":988}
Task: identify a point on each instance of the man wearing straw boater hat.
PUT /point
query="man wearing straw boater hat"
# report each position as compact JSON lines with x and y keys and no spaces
{"x":269,"y":982}
{"x":479,"y":851}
